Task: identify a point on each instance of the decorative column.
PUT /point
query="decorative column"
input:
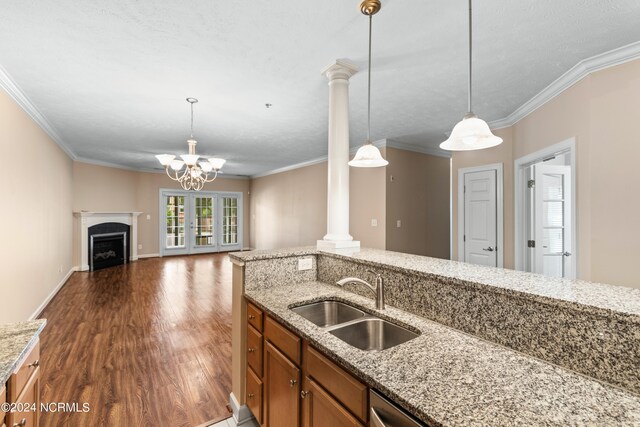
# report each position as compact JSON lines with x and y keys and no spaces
{"x":338,"y":236}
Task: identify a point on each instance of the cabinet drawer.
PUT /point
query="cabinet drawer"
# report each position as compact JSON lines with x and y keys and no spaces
{"x":285,"y":340}
{"x":29,"y":398}
{"x":23,"y":374}
{"x":254,"y":350}
{"x":254,"y":395}
{"x":350,"y":392}
{"x":254,"y":316}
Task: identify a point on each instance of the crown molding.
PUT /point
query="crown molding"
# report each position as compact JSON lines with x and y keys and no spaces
{"x":221,"y":175}
{"x":582,"y":69}
{"x":14,"y":91}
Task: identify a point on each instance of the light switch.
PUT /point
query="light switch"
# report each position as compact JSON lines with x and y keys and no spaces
{"x":305,"y":264}
{"x":374,"y":222}
{"x":139,"y":247}
{"x":148,"y":216}
{"x":398,"y":223}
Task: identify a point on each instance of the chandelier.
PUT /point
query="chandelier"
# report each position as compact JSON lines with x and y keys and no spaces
{"x":196,"y":174}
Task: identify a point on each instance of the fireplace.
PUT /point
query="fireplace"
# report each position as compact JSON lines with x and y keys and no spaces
{"x":108,"y":245}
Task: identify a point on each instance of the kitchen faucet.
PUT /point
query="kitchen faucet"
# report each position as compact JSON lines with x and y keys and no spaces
{"x":378,"y":289}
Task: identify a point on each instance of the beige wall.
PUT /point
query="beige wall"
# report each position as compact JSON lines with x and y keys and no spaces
{"x":36,"y":218}
{"x":601,"y":113}
{"x":99,"y":188}
{"x":290,"y":208}
{"x":418,"y":196}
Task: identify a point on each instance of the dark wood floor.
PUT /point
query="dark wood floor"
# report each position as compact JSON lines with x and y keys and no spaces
{"x":146,"y":344}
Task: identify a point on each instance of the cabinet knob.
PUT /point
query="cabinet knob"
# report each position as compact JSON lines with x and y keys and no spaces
{"x":22,"y":423}
{"x":34,"y":364}
{"x":303,"y":394}
{"x":251,"y":350}
{"x":251,"y":317}
{"x":292,"y":383}
{"x":250,"y":396}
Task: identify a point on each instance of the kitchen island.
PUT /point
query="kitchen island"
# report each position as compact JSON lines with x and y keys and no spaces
{"x":495,"y":347}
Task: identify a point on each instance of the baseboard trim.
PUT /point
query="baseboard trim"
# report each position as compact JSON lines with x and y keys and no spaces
{"x":53,"y":293}
{"x":241,"y":416}
{"x":148,"y":256}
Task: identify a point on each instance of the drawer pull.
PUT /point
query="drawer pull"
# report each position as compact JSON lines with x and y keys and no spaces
{"x":292,"y":383}
{"x":34,"y":364}
{"x":250,"y":396}
{"x":22,"y":423}
{"x":251,"y":350}
{"x":303,"y":394}
{"x":251,"y":317}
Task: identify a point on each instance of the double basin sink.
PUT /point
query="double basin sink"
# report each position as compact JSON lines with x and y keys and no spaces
{"x":354,"y":326}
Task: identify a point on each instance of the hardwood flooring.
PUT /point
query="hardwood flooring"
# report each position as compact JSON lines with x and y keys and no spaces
{"x":145,"y":344}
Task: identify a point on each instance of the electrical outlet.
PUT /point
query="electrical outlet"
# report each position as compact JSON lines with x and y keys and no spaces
{"x":398,"y":224}
{"x":139,"y":247}
{"x":374,"y":222}
{"x":148,"y":216}
{"x":305,"y":264}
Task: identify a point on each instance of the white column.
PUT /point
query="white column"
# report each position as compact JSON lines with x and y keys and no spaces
{"x":338,"y":170}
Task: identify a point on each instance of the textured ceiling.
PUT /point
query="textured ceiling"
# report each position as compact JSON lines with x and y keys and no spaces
{"x":111,"y":77}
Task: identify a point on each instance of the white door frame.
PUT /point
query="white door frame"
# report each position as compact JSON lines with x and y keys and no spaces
{"x":568,"y":145}
{"x":162,"y":217}
{"x":500,"y":209}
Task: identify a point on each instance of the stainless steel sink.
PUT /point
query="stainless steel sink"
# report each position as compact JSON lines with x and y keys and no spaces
{"x":328,"y":313}
{"x":373,"y":334}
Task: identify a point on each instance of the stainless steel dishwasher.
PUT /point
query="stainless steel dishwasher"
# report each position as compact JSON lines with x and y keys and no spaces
{"x":384,"y":413}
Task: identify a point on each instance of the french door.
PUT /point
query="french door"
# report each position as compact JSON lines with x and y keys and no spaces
{"x":199,"y":222}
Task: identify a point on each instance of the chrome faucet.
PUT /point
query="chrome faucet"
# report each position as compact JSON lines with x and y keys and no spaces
{"x":378,"y":289}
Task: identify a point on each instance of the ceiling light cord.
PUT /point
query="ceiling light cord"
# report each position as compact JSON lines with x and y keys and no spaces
{"x":369,"y":85}
{"x":470,"y":65}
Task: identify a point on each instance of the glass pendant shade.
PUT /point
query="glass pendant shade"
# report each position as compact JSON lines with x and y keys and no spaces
{"x":205,"y":166}
{"x":176,"y":165}
{"x":165,"y":159}
{"x":217,"y":163}
{"x":471,"y":133}
{"x":368,"y":156}
{"x":190,"y":159}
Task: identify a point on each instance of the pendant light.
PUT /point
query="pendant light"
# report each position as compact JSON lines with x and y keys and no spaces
{"x":368,"y":156}
{"x":471,"y":133}
{"x":195,"y":175}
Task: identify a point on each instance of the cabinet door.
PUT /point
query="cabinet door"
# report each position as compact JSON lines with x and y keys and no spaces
{"x":319,"y":409}
{"x":282,"y":389}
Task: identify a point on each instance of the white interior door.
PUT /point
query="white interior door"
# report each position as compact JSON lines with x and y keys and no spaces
{"x":552,"y":221}
{"x":480,"y":218}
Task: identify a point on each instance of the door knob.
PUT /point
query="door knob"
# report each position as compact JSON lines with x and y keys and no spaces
{"x":303,"y":394}
{"x":489,"y":249}
{"x":292,"y":383}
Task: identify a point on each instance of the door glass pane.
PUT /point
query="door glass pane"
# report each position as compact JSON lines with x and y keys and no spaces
{"x":553,"y":213}
{"x":175,"y":236}
{"x":553,"y":241}
{"x":229,"y":220}
{"x":553,"y":188}
{"x":204,"y":221}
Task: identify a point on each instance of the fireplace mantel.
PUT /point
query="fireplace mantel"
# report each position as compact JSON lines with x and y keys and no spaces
{"x":87,"y":219}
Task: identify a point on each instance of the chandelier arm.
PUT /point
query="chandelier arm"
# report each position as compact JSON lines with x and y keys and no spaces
{"x":169,"y":174}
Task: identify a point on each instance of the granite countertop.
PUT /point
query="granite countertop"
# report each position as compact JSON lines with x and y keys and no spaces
{"x":608,"y":298}
{"x":449,"y":378}
{"x":15,"y":340}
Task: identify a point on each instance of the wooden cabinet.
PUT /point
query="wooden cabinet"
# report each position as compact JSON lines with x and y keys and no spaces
{"x":320,"y":409}
{"x":282,"y":389}
{"x":3,"y":399}
{"x":23,"y":389}
{"x":277,"y":362}
{"x":346,"y":389}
